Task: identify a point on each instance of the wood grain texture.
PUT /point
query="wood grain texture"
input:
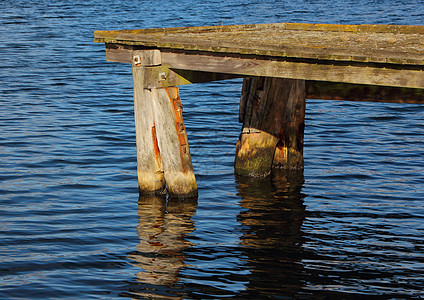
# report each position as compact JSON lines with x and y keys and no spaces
{"x":163,"y":155}
{"x":315,"y":89}
{"x":173,"y":143}
{"x":308,"y":70}
{"x":360,"y":92}
{"x":396,"y":44}
{"x":164,"y":76}
{"x":151,"y":179}
{"x":272,"y":113}
{"x":151,"y":57}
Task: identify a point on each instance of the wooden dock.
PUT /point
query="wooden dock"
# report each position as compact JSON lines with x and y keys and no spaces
{"x":282,"y":65}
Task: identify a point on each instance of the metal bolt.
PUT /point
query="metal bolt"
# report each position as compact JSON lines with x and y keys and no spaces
{"x":137,"y":59}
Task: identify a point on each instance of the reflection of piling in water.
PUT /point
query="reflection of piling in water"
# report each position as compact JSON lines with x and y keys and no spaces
{"x":272,"y":238}
{"x":162,"y":227}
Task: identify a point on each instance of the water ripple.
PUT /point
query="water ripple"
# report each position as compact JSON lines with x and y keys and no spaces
{"x":72,"y":224}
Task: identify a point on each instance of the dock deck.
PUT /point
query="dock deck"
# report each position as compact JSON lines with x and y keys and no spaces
{"x":282,"y":64}
{"x":388,"y":55}
{"x":360,"y":43}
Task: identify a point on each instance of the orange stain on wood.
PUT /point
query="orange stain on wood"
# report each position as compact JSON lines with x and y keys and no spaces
{"x":177,"y":106}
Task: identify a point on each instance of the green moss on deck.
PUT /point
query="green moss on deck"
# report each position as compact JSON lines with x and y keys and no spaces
{"x":395,"y":44}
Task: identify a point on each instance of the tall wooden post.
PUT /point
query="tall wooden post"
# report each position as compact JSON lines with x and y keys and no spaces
{"x":151,"y":179}
{"x":272,"y":111}
{"x":163,"y":155}
{"x":173,"y":143}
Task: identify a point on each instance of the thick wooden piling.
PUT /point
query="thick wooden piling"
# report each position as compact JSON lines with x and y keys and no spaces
{"x":173,"y":143}
{"x":163,"y":155}
{"x":151,"y":179}
{"x":272,"y":111}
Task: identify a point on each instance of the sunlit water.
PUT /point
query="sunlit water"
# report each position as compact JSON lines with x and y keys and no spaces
{"x":71,"y":221}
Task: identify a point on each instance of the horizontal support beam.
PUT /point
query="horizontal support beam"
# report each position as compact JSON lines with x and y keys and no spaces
{"x":119,"y":53}
{"x":360,"y":92}
{"x":370,"y":74}
{"x":163,"y":76}
{"x":201,"y":68}
{"x":247,"y":66}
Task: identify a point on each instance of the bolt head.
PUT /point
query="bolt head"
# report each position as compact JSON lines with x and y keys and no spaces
{"x":137,"y":59}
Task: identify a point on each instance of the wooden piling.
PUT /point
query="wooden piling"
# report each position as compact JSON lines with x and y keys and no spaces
{"x":151,"y":179}
{"x":272,"y":111}
{"x":163,"y":154}
{"x":173,"y":143}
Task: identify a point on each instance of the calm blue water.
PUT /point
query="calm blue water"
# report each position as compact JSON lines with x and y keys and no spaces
{"x":72,"y":224}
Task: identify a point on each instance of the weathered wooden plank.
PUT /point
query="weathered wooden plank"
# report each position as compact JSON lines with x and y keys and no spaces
{"x":273,"y":115}
{"x":119,"y":53}
{"x":358,"y":92}
{"x":362,"y":43}
{"x":122,"y":53}
{"x":173,"y":143}
{"x":163,"y":76}
{"x":260,"y":28}
{"x":149,"y":165}
{"x":362,"y":28}
{"x":160,"y":75}
{"x":146,"y":57}
{"x":314,"y":89}
{"x":312,"y":70}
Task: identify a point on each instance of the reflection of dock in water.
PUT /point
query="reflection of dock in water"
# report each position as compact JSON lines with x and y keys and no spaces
{"x":162,"y":227}
{"x":271,"y":215}
{"x":267,"y":255}
{"x":272,"y":239}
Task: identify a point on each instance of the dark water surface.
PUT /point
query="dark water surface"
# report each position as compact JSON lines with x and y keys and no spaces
{"x":73,"y":226}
